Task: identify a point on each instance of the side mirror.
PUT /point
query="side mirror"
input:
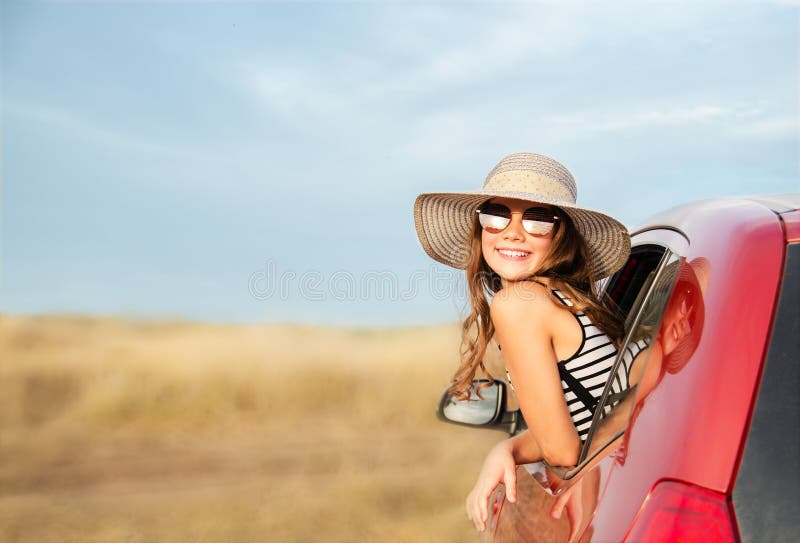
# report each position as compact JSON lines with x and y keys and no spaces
{"x":486,"y":412}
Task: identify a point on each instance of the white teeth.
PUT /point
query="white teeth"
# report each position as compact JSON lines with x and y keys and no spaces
{"x":513,"y":253}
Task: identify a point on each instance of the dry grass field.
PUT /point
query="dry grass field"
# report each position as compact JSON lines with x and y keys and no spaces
{"x":144,"y":431}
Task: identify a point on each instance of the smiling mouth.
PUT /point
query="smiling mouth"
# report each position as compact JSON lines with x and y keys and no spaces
{"x":513,"y":255}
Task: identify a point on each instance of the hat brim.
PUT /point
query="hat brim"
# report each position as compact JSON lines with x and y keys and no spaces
{"x":444,"y":226}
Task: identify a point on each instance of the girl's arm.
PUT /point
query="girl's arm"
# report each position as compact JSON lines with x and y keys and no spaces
{"x":522,"y":315}
{"x":524,"y":449}
{"x":500,"y":467}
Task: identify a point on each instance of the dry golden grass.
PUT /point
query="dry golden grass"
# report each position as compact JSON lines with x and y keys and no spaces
{"x":113,"y":430}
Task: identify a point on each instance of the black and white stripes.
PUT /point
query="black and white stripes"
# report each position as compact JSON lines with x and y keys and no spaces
{"x":585,"y":373}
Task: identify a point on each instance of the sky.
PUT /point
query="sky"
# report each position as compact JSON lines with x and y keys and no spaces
{"x":249,"y":162}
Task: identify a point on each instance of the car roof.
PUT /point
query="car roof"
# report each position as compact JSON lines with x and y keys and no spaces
{"x":779,"y":203}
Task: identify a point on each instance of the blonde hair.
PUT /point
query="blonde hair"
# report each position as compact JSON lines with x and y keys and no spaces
{"x":565,"y":265}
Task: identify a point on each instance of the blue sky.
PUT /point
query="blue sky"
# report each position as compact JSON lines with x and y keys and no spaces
{"x":258,"y":161}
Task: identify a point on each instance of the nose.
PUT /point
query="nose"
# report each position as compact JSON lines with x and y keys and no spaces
{"x":514,"y":229}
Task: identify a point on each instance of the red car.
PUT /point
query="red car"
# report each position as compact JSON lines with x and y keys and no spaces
{"x":707,"y":446}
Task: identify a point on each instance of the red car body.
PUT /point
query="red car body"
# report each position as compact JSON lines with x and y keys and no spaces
{"x":675,"y":477}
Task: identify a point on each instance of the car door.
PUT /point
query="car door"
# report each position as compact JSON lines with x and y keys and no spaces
{"x":641,"y":289}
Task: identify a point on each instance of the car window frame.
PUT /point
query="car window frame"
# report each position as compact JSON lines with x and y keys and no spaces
{"x":674,"y":244}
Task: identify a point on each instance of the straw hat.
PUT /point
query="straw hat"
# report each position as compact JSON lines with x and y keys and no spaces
{"x":444,"y":219}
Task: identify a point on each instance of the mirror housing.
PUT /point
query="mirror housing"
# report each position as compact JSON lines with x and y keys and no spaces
{"x":486,"y":412}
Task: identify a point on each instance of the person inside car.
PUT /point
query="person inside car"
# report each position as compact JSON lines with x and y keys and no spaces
{"x":526,"y":244}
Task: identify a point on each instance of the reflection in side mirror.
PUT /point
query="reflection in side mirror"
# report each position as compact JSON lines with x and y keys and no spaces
{"x":476,"y":411}
{"x":486,"y":412}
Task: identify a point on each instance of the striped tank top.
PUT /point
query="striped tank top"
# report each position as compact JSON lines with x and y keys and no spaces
{"x":585,"y":373}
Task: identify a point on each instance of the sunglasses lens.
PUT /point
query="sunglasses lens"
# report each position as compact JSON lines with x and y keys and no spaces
{"x":538,"y":221}
{"x":540,"y":214}
{"x":493,"y":223}
{"x":494,"y":217}
{"x":537,"y":228}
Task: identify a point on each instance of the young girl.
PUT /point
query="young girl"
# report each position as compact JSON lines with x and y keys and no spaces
{"x":525,"y":243}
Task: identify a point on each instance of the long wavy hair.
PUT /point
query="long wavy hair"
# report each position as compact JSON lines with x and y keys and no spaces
{"x":566,"y":267}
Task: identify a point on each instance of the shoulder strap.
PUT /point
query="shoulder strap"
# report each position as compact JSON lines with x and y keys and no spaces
{"x":575,"y":386}
{"x":564,"y":299}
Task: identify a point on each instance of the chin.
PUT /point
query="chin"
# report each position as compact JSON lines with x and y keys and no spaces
{"x":514,"y":275}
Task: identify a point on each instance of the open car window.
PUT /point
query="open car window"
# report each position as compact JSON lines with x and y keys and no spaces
{"x":641,"y":290}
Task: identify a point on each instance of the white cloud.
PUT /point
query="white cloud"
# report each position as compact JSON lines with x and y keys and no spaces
{"x":292,"y":91}
{"x":78,"y":126}
{"x":771,"y":128}
{"x":423,"y":51}
{"x":420,"y":59}
{"x":453,"y":130}
{"x":648,"y":117}
{"x":489,"y":44}
{"x":500,"y":46}
{"x":753,"y":120}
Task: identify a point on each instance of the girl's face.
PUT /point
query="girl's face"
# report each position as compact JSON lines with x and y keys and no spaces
{"x":513,"y":253}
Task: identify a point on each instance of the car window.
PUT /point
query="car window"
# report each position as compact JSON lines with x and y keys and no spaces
{"x":641,"y":290}
{"x":767,"y":507}
{"x":628,"y":285}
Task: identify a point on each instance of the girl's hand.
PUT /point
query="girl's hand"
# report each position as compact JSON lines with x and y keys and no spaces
{"x":499,"y":467}
{"x":571,"y":500}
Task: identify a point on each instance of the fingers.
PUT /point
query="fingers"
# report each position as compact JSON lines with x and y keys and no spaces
{"x":575,"y":515}
{"x":478,"y":498}
{"x":510,"y":480}
{"x":499,"y":467}
{"x":483,"y":501}
{"x":473,"y":510}
{"x":573,"y":531}
{"x":558,"y":505}
{"x":477,"y":507}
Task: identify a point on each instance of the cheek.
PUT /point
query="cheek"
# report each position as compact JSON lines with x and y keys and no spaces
{"x":486,"y":245}
{"x":543,"y":244}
